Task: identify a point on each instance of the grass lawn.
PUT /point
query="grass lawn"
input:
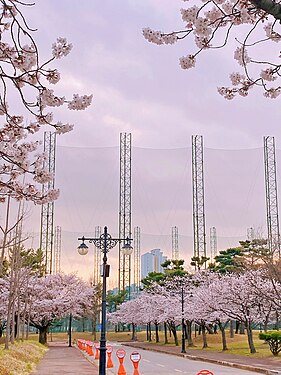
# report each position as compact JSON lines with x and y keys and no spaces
{"x":237,"y":345}
{"x":21,"y":358}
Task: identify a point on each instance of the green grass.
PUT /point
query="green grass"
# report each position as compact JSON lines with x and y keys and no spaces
{"x":236,"y":346}
{"x":21,"y":358}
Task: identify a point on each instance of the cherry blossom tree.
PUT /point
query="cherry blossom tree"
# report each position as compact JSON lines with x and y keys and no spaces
{"x":56,"y":296}
{"x":26,"y":82}
{"x":254,"y":26}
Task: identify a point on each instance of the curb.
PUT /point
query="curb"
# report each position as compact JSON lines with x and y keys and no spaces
{"x":261,"y":370}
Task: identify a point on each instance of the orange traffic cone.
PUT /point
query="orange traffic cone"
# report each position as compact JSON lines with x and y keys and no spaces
{"x":109,"y":360}
{"x":121,"y":369}
{"x":97,"y":354}
{"x":136,"y":368}
{"x":120,"y":353}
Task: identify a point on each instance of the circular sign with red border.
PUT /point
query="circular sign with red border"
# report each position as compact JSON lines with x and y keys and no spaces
{"x":109,"y":349}
{"x":135,"y":357}
{"x":120,"y":353}
{"x":205,"y":372}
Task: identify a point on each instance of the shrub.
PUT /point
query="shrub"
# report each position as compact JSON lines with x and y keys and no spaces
{"x":273,"y":338}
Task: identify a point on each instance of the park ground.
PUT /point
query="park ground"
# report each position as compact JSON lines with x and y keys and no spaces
{"x":23,"y":357}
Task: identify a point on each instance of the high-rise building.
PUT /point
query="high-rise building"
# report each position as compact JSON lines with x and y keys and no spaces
{"x":151,"y":262}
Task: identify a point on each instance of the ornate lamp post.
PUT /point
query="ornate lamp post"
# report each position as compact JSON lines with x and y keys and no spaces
{"x":105,"y":242}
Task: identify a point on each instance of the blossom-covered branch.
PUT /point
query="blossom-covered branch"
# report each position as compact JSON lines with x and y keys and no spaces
{"x":212,"y":23}
{"x":26,"y":80}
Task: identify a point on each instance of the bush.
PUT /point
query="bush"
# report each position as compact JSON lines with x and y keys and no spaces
{"x":273,"y":338}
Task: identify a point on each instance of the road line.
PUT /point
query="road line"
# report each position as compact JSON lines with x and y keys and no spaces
{"x":178,"y":370}
{"x":159,"y":364}
{"x":145,"y":360}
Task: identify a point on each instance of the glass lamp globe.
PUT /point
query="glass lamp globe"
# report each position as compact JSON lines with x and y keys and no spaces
{"x":127,"y":249}
{"x":82,"y":249}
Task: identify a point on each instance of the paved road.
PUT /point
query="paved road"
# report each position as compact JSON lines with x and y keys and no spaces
{"x":153,"y":363}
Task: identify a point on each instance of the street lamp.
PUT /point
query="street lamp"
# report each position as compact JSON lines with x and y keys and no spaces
{"x":105,"y":242}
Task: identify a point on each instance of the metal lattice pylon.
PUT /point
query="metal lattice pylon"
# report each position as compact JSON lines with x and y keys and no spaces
{"x":250,"y":234}
{"x":97,"y":259}
{"x":271,"y":196}
{"x":175,"y":243}
{"x":213,"y":243}
{"x":57,"y":248}
{"x":198,"y":197}
{"x":47,"y":210}
{"x":137,"y":259}
{"x":124,"y":280}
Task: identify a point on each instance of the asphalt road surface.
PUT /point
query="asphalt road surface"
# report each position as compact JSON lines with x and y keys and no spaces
{"x":153,"y":363}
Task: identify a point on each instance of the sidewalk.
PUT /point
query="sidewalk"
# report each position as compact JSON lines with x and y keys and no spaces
{"x":268,"y":366}
{"x":62,"y":360}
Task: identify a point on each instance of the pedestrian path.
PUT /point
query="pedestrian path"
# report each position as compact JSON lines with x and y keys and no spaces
{"x":63,"y":360}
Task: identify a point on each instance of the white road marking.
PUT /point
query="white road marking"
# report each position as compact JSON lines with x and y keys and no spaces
{"x":159,"y":364}
{"x":178,"y":370}
{"x":145,"y":360}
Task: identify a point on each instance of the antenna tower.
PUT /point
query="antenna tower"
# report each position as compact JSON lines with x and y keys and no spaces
{"x":213,"y":243}
{"x":47,"y":210}
{"x":137,"y":260}
{"x":124,"y":280}
{"x":57,"y":248}
{"x":175,"y":243}
{"x":250,"y":234}
{"x":97,"y":258}
{"x":198,"y":198}
{"x":271,"y":196}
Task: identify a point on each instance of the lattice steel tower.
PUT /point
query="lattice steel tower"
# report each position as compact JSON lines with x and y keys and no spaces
{"x":250,"y":234}
{"x":125,"y":230}
{"x":97,"y":259}
{"x":137,"y":259}
{"x":47,"y":210}
{"x":271,"y":196}
{"x":213,"y":243}
{"x":199,"y":230}
{"x":57,"y":250}
{"x":175,"y":243}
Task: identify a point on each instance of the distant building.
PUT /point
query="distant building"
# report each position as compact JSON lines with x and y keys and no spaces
{"x":151,"y":262}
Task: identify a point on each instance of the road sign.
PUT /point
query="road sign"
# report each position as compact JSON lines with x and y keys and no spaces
{"x":135,"y":357}
{"x":120,"y":353}
{"x":205,"y":372}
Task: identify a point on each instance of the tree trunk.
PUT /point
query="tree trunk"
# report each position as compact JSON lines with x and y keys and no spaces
{"x":242,"y":329}
{"x":134,"y":332}
{"x":174,"y":333}
{"x":204,"y":336}
{"x":223,"y":336}
{"x":156,"y":332}
{"x":149,"y":332}
{"x":250,"y":338}
{"x":28,"y":321}
{"x":189,"y":333}
{"x":237,"y":327}
{"x":43,"y":335}
{"x":165,"y":333}
{"x":231,"y":329}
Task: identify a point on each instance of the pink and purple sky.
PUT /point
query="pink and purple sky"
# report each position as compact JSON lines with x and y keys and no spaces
{"x":140,"y":88}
